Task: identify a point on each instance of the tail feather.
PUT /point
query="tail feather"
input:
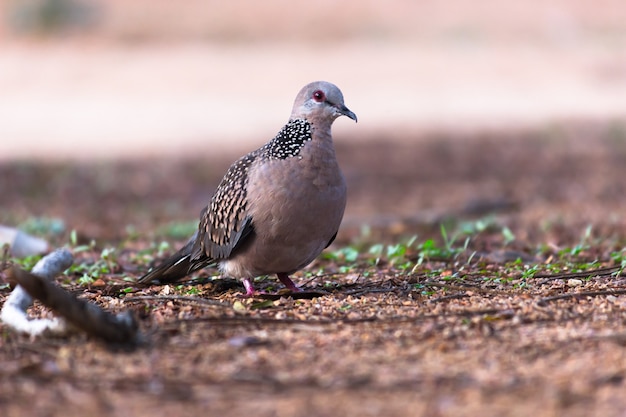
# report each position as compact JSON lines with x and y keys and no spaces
{"x":177,"y":266}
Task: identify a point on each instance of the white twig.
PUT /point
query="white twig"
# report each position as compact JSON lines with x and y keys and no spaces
{"x":14,"y":309}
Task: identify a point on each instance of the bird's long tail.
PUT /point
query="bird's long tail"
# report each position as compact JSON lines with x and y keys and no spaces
{"x":177,"y":266}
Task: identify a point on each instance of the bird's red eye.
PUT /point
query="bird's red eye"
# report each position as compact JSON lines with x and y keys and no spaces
{"x":319,"y":96}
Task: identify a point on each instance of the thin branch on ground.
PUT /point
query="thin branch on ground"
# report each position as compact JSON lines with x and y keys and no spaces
{"x":600,"y":272}
{"x":543,"y":301}
{"x":14,"y":309}
{"x":89,"y":317}
{"x":177,"y":298}
{"x":448,"y":297}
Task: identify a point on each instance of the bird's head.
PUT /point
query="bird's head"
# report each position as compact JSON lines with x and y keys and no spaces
{"x":320,"y":101}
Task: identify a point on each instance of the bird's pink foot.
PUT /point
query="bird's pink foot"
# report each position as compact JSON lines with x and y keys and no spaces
{"x":284,"y":278}
{"x":250,"y":291}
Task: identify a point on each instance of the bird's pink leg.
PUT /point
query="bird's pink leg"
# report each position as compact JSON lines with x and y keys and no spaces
{"x":247,"y":284}
{"x":284,"y":278}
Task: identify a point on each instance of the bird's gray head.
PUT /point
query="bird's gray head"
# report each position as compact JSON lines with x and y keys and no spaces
{"x":320,"y":101}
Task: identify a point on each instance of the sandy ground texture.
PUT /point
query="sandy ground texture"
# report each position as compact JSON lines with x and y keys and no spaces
{"x":471,"y":334}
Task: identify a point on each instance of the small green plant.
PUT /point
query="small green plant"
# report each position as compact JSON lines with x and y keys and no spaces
{"x":131,"y":233}
{"x":430,"y":250}
{"x":187,"y":290}
{"x":447,"y":241}
{"x":396,"y":255}
{"x":192,"y":291}
{"x":619,"y":258}
{"x":345,"y":307}
{"x":76,"y":248}
{"x":156,"y":250}
{"x":508,"y":235}
{"x":347,"y":253}
{"x":582,"y":245}
{"x":529,"y":272}
{"x":178,"y":230}
{"x":375,"y":252}
{"x":472,"y":228}
{"x":26,"y":263}
{"x":91,"y":272}
{"x":423,"y":289}
{"x":43,"y":226}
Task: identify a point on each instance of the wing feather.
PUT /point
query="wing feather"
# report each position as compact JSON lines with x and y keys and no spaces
{"x":226,"y":222}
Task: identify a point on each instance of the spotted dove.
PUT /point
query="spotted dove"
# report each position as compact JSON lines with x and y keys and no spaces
{"x":277,"y":207}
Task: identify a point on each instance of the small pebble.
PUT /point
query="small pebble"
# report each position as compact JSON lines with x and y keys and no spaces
{"x":244,"y":341}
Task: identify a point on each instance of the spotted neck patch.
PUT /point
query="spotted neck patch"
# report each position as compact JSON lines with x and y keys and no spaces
{"x":289,"y":141}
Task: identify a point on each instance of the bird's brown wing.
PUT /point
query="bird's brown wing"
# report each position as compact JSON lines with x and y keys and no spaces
{"x":174,"y":267}
{"x":225,"y":223}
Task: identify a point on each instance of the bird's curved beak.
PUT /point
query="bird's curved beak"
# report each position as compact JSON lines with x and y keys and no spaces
{"x":346,"y":112}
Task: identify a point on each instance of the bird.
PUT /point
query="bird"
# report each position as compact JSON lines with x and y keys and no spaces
{"x":278,"y":207}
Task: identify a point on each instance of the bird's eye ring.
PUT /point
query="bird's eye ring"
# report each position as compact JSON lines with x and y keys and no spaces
{"x":319,"y":96}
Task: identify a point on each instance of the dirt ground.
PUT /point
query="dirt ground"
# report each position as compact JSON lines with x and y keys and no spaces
{"x":504,"y":122}
{"x":465,"y":335}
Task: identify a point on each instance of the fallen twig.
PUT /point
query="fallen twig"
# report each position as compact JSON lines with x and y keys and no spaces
{"x":302,"y":295}
{"x":448,"y":297}
{"x":601,"y":272}
{"x":81,"y":314}
{"x":543,"y":301}
{"x":14,"y":310}
{"x":369,"y":290}
{"x":177,"y":298}
{"x":86,"y":316}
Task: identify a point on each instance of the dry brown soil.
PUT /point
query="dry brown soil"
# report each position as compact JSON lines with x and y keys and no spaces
{"x":460,"y":336}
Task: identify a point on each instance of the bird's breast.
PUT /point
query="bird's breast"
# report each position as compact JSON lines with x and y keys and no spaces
{"x":296,"y":205}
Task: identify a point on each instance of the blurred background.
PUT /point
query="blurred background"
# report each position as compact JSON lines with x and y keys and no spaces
{"x":123,"y":115}
{"x":118,"y":79}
